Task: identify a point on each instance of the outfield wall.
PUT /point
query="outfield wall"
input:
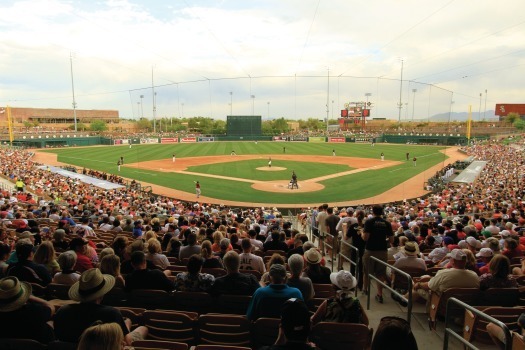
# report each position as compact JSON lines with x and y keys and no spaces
{"x":72,"y":140}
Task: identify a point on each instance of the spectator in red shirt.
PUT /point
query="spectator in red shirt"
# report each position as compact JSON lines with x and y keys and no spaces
{"x":79,"y":246}
{"x":511,"y":249}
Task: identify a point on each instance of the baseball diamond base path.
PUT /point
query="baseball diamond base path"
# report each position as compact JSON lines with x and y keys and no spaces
{"x":411,"y":188}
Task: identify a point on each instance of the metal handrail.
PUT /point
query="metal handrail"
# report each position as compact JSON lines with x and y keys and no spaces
{"x":349,"y":259}
{"x":451,"y":332}
{"x":325,"y":244}
{"x":401,"y":296}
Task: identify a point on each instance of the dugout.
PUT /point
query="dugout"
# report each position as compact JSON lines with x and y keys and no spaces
{"x":425,"y":139}
{"x":57,"y":140}
{"x":243,"y":125}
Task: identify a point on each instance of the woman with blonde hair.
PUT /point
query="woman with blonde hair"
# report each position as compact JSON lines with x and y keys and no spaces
{"x":155,"y":254}
{"x":471,"y":261}
{"x":45,"y":255}
{"x":209,"y":259}
{"x":149,"y":235}
{"x":106,"y":336}
{"x":217,"y":238}
{"x":110,"y":265}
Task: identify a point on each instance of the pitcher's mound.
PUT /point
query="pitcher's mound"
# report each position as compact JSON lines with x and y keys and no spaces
{"x":267,"y":168}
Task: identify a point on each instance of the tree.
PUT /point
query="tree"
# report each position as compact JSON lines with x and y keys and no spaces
{"x":144,"y":124}
{"x":280,"y":126}
{"x":512,"y":117}
{"x":80,"y":127}
{"x":519,"y":124}
{"x":98,"y":125}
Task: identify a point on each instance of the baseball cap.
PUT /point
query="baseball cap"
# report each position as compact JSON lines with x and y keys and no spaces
{"x":485,"y":253}
{"x":504,"y":233}
{"x":448,"y":240}
{"x":295,"y":318}
{"x":473,"y":242}
{"x":458,"y":254}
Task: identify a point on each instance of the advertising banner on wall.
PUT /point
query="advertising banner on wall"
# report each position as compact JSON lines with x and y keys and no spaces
{"x":279,"y":138}
{"x":206,"y":139}
{"x":316,"y":139}
{"x":298,"y":138}
{"x":336,"y":139}
{"x":117,"y":142}
{"x":169,"y":140}
{"x":188,"y":139}
{"x":149,"y":140}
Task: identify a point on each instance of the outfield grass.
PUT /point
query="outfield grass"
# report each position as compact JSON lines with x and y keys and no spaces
{"x":350,"y":187}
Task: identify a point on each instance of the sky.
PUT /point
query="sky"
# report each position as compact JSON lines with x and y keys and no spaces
{"x":295,"y":59}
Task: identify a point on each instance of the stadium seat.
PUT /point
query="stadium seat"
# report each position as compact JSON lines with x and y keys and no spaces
{"x":324,"y":291}
{"x":18,"y":344}
{"x":438,"y":302}
{"x":158,"y":345}
{"x":61,"y":345}
{"x":134,"y":314}
{"x":341,"y":336}
{"x":150,"y":299}
{"x":475,"y":327}
{"x":171,"y":326}
{"x":220,"y":347}
{"x":232,"y":304}
{"x":265,"y":331}
{"x":223,"y":329}
{"x":199,"y":302}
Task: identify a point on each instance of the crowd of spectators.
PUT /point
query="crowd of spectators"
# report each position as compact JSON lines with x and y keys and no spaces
{"x":76,"y":220}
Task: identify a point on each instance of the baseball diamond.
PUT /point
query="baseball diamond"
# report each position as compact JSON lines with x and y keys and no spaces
{"x":354,"y":176}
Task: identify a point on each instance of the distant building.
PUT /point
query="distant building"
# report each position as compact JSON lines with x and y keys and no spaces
{"x":503,"y":109}
{"x":65,"y":117}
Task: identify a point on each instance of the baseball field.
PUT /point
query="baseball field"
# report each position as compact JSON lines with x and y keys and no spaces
{"x":343,"y":174}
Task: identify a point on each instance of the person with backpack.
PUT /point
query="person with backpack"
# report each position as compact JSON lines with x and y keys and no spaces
{"x":344,"y":308}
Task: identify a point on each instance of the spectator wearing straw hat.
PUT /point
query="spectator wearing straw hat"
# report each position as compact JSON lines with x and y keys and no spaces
{"x":411,"y":260}
{"x":71,"y":320}
{"x":314,"y":270}
{"x":24,"y":315}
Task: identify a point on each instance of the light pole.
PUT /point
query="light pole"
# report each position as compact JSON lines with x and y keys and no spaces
{"x":253,"y":104}
{"x":400,"y":104}
{"x":182,"y":109}
{"x":479,"y":110}
{"x":485,"y":110}
{"x":413,"y":103}
{"x":231,"y":102}
{"x":141,"y":107}
{"x":73,"y":91}
{"x":268,"y":103}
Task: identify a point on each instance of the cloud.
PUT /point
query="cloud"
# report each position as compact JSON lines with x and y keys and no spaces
{"x":211,"y":48}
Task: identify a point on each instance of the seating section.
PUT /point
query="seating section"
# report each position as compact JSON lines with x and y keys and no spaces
{"x":470,"y":296}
